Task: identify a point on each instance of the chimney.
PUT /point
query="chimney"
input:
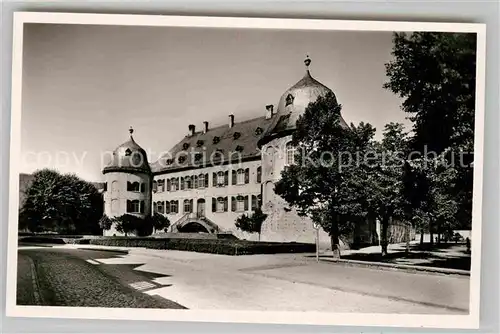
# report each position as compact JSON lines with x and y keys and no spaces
{"x":192,"y":129}
{"x":269,"y":111}
{"x":231,"y":121}
{"x":205,"y":128}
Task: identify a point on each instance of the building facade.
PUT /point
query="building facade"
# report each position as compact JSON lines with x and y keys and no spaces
{"x":214,"y":175}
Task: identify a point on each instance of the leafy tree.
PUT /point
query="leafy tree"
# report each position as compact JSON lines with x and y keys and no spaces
{"x":384,"y":180}
{"x":128,"y":223}
{"x":62,"y":203}
{"x":159,"y":222}
{"x":251,"y":223}
{"x":323,"y":182}
{"x":435,"y":74}
{"x":105,"y":222}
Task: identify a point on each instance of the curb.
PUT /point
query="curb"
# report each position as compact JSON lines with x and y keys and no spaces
{"x":393,"y":266}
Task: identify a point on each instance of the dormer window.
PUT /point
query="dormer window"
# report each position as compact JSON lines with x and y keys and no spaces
{"x":198,"y":156}
{"x":128,"y":152}
{"x":239,"y":148}
{"x":258,"y":131}
{"x":199,"y":143}
{"x":182,"y":159}
{"x":169,"y":161}
{"x":216,"y":140}
{"x":185,"y":146}
{"x":236,"y":135}
{"x":289,"y":99}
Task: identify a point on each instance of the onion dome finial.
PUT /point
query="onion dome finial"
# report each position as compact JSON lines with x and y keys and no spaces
{"x":307,"y":61}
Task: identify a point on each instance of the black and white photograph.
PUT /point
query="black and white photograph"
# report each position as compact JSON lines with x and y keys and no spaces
{"x":246,"y":170}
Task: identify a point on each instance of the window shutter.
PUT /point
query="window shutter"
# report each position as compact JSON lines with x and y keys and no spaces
{"x":182,"y":183}
{"x":247,"y":175}
{"x":191,"y":206}
{"x":167,"y":207}
{"x":246,"y":203}
{"x":206,"y":180}
{"x":195,"y":182}
{"x":155,"y":207}
{"x":141,"y":207}
{"x":226,"y":178}
{"x":259,"y":174}
{"x":155,"y":186}
{"x":169,"y":184}
{"x":143,"y":187}
{"x":225,"y":203}
{"x":234,"y":177}
{"x":233,"y":203}
{"x":214,"y":204}
{"x":128,"y":206}
{"x":254,"y":202}
{"x":128,"y":186}
{"x":214,"y":179}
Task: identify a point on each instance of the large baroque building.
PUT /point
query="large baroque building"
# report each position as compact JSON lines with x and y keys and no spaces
{"x":216,"y":174}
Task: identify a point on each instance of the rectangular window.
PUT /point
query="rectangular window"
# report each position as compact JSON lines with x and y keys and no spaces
{"x":247,"y":175}
{"x":105,"y":186}
{"x":206,"y":180}
{"x":259,"y":174}
{"x":240,"y":177}
{"x":220,"y":179}
{"x":143,"y":187}
{"x":220,"y":204}
{"x":161,"y":186}
{"x":160,"y":207}
{"x":142,"y":207}
{"x":240,"y":203}
{"x":167,"y":207}
{"x":174,"y":206}
{"x":254,"y":202}
{"x":133,"y":206}
{"x":201,"y":181}
{"x":155,"y":186}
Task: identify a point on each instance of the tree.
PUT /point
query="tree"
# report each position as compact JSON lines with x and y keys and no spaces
{"x":105,"y":222}
{"x":128,"y":223}
{"x":435,"y":74}
{"x":62,"y":203}
{"x":323,"y":182}
{"x":384,"y":179}
{"x":251,"y":223}
{"x":159,"y":222}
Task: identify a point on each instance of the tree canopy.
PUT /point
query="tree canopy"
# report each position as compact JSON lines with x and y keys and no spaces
{"x":61,"y":203}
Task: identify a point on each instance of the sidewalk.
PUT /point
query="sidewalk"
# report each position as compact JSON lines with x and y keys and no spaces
{"x":447,"y":258}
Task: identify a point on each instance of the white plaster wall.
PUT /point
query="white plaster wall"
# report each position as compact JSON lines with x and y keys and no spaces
{"x":117,"y":193}
{"x":225,"y":220}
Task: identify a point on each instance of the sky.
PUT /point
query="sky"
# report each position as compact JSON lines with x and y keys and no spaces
{"x":84,"y":85}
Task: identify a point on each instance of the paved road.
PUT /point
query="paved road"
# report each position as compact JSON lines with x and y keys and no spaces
{"x":283,"y":282}
{"x":67,"y":277}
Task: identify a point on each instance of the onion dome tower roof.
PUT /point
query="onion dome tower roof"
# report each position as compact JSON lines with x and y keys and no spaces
{"x":293,"y":103}
{"x":128,"y":157}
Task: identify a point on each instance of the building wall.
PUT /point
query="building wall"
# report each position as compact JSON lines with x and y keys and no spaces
{"x":224,"y":220}
{"x":116,"y":195}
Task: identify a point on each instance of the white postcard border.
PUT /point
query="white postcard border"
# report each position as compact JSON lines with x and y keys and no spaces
{"x":313,"y":318}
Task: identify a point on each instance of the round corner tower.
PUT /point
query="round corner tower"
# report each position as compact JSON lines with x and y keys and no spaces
{"x":283,"y":224}
{"x":128,"y":183}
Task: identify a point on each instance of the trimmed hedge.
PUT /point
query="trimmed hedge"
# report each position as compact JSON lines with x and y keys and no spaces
{"x":216,"y":246}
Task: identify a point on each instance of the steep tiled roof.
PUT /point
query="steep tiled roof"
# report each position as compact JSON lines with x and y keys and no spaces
{"x":239,"y":141}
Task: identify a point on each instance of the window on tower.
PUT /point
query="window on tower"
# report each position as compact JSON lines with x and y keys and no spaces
{"x":290,"y":153}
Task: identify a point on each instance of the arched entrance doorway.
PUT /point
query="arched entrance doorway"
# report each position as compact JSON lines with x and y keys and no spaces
{"x":193,"y":227}
{"x":200,"y":207}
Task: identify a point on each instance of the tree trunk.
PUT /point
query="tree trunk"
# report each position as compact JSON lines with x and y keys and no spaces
{"x":407,"y":237}
{"x":431,"y":232}
{"x":383,"y":238}
{"x":438,"y":233}
{"x":334,"y":237}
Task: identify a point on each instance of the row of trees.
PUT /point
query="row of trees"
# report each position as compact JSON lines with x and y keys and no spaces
{"x":343,"y":176}
{"x":138,"y":226}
